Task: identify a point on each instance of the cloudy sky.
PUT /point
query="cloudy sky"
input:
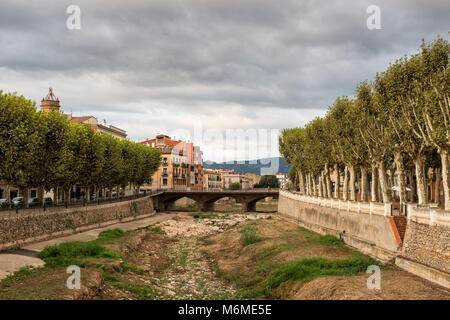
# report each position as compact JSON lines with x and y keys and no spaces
{"x":199,"y":69}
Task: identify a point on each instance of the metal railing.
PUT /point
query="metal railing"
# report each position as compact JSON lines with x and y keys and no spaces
{"x":15,"y":210}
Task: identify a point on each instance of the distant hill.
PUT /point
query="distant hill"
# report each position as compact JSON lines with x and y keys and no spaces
{"x":261,"y":166}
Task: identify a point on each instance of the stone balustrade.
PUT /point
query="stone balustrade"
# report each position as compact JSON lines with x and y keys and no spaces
{"x":421,"y":214}
{"x":348,"y":205}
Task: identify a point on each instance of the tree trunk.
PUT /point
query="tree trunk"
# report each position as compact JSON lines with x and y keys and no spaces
{"x":398,"y":159}
{"x":364,"y":185}
{"x":41,"y":195}
{"x":437,"y":185}
{"x":412,"y":185}
{"x":374,"y":183}
{"x":421,"y":179}
{"x":314,"y":184}
{"x":25,"y":197}
{"x":8,"y":193}
{"x":301,"y":182}
{"x":345,"y":191}
{"x":310,"y":186}
{"x":391,"y":178}
{"x":351,"y":169}
{"x":337,"y":181}
{"x":383,"y":182}
{"x":445,"y":161}
{"x":328,"y":181}
{"x":321,"y":185}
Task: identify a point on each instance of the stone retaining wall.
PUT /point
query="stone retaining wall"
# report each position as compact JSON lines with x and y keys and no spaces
{"x":429,"y":245}
{"x":24,"y":227}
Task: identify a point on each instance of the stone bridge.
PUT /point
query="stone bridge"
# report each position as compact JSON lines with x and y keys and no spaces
{"x":163,"y":200}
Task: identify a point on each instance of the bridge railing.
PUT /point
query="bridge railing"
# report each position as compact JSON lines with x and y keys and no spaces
{"x":214,"y":190}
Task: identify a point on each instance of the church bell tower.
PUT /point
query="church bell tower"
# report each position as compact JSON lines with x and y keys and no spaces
{"x":50,"y":102}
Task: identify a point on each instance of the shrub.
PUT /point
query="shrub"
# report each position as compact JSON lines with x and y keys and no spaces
{"x":75,"y":253}
{"x":249,"y":236}
{"x":235,"y":186}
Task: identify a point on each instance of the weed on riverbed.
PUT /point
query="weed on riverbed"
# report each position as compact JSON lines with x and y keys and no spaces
{"x":249,"y":236}
{"x":207,"y":216}
{"x":111,"y":234}
{"x":75,"y":253}
{"x":328,"y":240}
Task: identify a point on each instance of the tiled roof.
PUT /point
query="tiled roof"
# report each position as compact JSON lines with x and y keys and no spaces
{"x":80,"y":119}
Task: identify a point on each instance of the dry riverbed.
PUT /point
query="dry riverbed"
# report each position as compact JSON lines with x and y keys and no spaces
{"x":214,"y":256}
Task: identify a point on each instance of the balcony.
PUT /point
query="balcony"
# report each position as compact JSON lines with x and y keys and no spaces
{"x":165,"y":174}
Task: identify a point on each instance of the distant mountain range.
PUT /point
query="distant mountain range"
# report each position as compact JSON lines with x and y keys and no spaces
{"x":261,"y":166}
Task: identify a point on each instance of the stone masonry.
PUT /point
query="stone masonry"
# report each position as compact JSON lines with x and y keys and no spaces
{"x":26,"y":226}
{"x":429,"y":245}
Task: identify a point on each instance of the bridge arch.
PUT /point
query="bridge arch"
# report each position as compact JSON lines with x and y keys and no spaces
{"x":206,"y":200}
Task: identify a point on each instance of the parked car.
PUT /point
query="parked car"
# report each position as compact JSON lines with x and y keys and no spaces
{"x":34,"y":202}
{"x":92,"y":196}
{"x":4,"y":203}
{"x":17,"y":201}
{"x":48,"y":200}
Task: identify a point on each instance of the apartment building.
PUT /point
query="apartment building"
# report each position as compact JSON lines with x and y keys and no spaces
{"x":212,"y":180}
{"x":282,"y":179}
{"x":182,"y":165}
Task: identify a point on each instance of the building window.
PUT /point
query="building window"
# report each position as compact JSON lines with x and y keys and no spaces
{"x":164,"y":182}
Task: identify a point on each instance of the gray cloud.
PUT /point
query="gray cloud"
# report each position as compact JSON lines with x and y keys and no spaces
{"x":148,"y":65}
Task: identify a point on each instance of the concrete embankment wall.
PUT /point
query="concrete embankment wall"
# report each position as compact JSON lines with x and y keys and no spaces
{"x":30,"y":227}
{"x":372,"y":234}
{"x":424,"y":251}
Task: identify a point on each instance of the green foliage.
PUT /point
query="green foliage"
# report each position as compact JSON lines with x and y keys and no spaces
{"x":43,"y":149}
{"x":75,"y":253}
{"x":268,"y":181}
{"x":328,"y":240}
{"x":249,"y":235}
{"x":402,"y":115}
{"x":207,"y":216}
{"x":235,"y":186}
{"x":310,"y":268}
{"x":111,"y":234}
{"x":157,"y":230}
{"x":126,"y":266}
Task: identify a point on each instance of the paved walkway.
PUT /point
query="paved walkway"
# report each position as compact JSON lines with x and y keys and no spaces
{"x":13,"y":260}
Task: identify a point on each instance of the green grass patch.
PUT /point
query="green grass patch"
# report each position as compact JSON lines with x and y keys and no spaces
{"x":22,"y":274}
{"x":249,"y":235}
{"x":157,"y":230}
{"x":75,"y":253}
{"x":143,"y":292}
{"x":127,"y":266}
{"x":207,"y":216}
{"x":111,"y":234}
{"x":309,"y":268}
{"x":328,"y":240}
